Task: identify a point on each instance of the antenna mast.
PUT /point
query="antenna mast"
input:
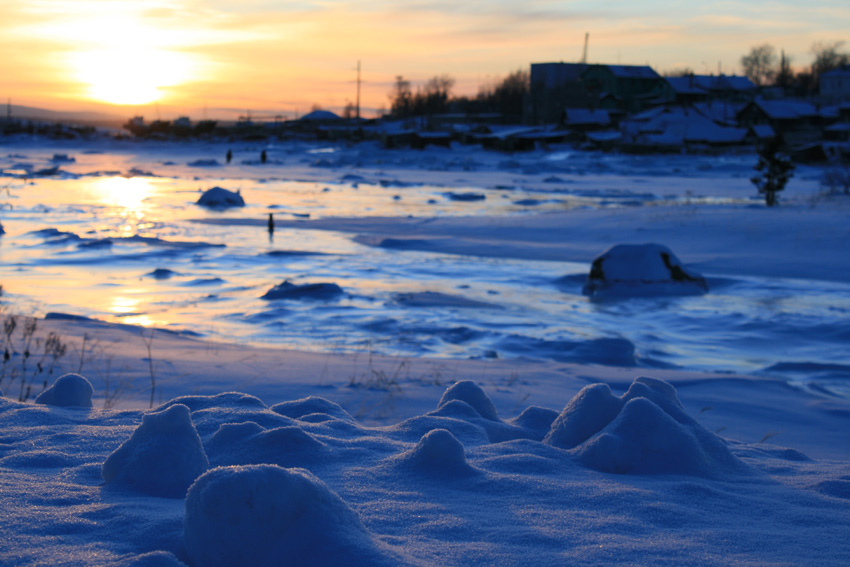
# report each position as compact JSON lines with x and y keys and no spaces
{"x":584,"y":52}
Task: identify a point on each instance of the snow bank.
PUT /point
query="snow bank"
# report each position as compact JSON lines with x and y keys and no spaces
{"x":221,"y":198}
{"x":162,"y":457}
{"x":70,"y":390}
{"x":627,"y":270}
{"x":266,"y":515}
{"x":289,"y":290}
{"x":645,"y":431}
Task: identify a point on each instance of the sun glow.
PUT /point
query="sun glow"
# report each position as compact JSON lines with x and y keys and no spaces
{"x":120,"y":58}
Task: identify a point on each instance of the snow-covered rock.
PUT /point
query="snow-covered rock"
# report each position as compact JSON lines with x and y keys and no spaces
{"x":289,"y":290}
{"x":69,"y":390}
{"x":645,"y":431}
{"x":628,"y":270}
{"x":221,"y":198}
{"x":266,"y":515}
{"x":162,"y":457}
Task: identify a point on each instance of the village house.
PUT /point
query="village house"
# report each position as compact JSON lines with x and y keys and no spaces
{"x":835,"y":85}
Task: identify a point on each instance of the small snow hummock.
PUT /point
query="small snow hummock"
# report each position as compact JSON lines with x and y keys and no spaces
{"x":628,"y":270}
{"x":162,"y":457}
{"x":471,"y":393}
{"x":221,"y":198}
{"x":69,"y":390}
{"x":266,"y":515}
{"x":440,"y":454}
{"x":289,"y":290}
{"x":645,"y":431}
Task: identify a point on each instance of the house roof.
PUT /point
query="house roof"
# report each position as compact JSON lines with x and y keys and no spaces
{"x":319,"y":115}
{"x":700,"y":84}
{"x":583,"y":116}
{"x":840,"y":72}
{"x":632,"y":71}
{"x":786,"y":109}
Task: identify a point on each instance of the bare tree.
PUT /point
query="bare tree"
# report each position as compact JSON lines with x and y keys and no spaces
{"x":400,"y":98}
{"x":827,"y":58}
{"x":759,"y":64}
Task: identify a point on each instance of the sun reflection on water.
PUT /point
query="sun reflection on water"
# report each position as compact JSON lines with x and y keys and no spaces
{"x":126,"y":193}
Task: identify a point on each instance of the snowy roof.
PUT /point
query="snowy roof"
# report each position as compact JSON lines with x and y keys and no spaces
{"x":840,"y":72}
{"x":786,"y":108}
{"x":320,"y":115}
{"x":694,"y":84}
{"x":763,"y":131}
{"x":632,"y":71}
{"x":579,"y":116}
{"x":675,"y":125}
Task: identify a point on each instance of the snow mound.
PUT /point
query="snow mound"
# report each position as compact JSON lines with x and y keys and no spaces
{"x":289,"y":290}
{"x":221,"y":198}
{"x":266,"y":515}
{"x":248,"y":443}
{"x":440,"y":454}
{"x":645,"y":431}
{"x":307,"y":409}
{"x":162,"y":457}
{"x":629,"y":270}
{"x":471,"y":393}
{"x":69,"y":390}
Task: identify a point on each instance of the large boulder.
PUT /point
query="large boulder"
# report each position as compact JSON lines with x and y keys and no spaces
{"x":640,"y":270}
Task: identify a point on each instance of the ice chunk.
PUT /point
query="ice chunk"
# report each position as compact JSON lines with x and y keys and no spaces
{"x":288,"y":290}
{"x":266,"y":515}
{"x":469,"y":392}
{"x":628,"y":270}
{"x":221,"y":198}
{"x":69,"y":390}
{"x":162,"y":457}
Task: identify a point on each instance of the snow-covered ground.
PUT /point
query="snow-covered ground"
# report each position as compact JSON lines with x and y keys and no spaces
{"x":454,"y":265}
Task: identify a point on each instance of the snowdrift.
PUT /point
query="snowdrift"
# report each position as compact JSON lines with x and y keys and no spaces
{"x":304,"y":483}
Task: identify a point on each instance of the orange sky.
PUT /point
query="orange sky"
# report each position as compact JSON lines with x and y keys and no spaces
{"x":175,"y":57}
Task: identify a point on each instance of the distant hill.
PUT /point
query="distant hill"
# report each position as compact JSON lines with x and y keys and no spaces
{"x":85,"y":117}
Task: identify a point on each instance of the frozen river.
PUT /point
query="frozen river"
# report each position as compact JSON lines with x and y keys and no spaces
{"x":115,"y":234}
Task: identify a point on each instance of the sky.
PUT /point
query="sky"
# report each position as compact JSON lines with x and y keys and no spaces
{"x":220,"y":59}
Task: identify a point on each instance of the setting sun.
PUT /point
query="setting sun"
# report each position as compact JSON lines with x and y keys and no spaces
{"x":127,"y":74}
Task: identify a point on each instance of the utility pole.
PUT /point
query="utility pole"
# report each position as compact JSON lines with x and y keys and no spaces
{"x":584,"y":52}
{"x":358,"y":91}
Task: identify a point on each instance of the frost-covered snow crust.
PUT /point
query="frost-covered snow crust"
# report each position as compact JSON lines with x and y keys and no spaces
{"x":226,"y":480}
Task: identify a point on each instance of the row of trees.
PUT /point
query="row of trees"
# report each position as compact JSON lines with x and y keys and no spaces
{"x":764,"y":67}
{"x":505,"y":96}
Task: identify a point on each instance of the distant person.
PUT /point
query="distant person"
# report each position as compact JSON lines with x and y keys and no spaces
{"x":271,"y":223}
{"x":229,"y":156}
{"x":263,"y":157}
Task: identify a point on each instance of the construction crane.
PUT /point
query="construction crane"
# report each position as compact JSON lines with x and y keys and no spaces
{"x":584,"y":52}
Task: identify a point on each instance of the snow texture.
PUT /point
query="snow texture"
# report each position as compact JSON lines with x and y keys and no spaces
{"x":221,"y":198}
{"x":266,"y":516}
{"x":162,"y":457}
{"x":627,"y":270}
{"x":69,"y":390}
